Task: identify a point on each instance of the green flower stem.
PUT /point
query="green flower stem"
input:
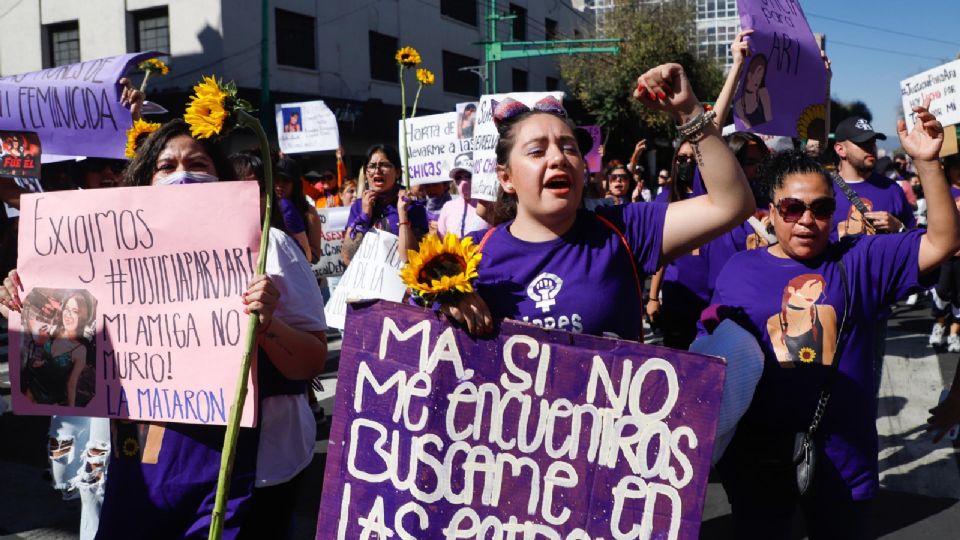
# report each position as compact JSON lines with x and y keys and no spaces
{"x":146,"y":75}
{"x":413,"y":113}
{"x":236,"y":410}
{"x":403,"y":140}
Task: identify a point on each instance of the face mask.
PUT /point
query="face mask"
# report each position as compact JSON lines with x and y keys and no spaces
{"x":917,"y":190}
{"x":186,"y":177}
{"x":685,"y":174}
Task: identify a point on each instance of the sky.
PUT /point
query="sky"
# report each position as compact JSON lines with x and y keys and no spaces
{"x":905,"y":37}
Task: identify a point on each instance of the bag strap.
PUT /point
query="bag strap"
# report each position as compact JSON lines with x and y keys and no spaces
{"x":851,"y":195}
{"x":832,"y":377}
{"x":633,"y":265}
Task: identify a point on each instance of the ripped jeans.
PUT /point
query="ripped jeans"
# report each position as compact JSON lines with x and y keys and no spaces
{"x":80,"y":473}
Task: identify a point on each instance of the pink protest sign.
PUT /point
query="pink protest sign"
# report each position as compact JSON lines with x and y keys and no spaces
{"x":783,"y":87}
{"x":131,"y":302}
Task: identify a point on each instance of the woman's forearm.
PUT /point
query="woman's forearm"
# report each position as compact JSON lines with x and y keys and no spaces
{"x":297,"y":354}
{"x":942,"y":219}
{"x":408,"y":239}
{"x":722,"y":106}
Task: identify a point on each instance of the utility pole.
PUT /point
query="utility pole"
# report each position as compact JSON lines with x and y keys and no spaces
{"x":495,"y":50}
{"x":266,"y":112}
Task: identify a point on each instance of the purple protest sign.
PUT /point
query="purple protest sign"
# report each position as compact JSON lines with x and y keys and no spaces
{"x":534,"y":432}
{"x":783,"y":87}
{"x":593,"y":156}
{"x":75,"y":109}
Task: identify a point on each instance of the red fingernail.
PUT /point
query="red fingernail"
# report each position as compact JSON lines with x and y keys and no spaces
{"x":651,"y":95}
{"x":640,"y":89}
{"x":661,"y":95}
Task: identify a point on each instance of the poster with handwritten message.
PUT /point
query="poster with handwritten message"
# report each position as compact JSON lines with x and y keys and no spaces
{"x":529,"y":434}
{"x":432,"y":147}
{"x":307,"y":126}
{"x":941,"y":85}
{"x":333,"y":223}
{"x":374,"y":272}
{"x":75,"y":109}
{"x":783,"y":84}
{"x":125,"y":314}
{"x":485,"y":184}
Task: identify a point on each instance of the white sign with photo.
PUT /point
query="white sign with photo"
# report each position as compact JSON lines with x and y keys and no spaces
{"x":307,"y":126}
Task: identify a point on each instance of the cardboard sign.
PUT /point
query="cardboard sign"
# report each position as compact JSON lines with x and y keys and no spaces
{"x":75,"y":109}
{"x":19,"y":154}
{"x":308,"y":126}
{"x":484,"y":185}
{"x":532,"y":433}
{"x":783,"y":87}
{"x":127,"y":316}
{"x":333,"y":223}
{"x":374,"y":272}
{"x":432,"y":146}
{"x":942,"y":85}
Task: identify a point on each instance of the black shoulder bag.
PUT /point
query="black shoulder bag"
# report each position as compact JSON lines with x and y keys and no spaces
{"x":804,"y":447}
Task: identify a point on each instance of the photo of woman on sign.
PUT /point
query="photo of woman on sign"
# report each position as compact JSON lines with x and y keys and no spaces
{"x":753,"y":105}
{"x":59,"y":328}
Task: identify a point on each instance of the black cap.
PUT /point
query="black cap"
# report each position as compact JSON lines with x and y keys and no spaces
{"x":858,"y":130}
{"x":313,"y":176}
{"x":288,"y":168}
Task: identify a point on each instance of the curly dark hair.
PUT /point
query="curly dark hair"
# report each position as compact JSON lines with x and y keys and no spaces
{"x":777,"y":166}
{"x":141,"y":169}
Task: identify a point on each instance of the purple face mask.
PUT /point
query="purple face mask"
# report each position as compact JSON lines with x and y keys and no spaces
{"x":186,"y":177}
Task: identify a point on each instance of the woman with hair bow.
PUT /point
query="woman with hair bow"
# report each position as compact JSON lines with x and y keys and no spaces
{"x":561,"y":267}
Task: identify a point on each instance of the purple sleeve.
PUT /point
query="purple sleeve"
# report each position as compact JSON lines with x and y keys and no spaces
{"x":292,"y":219}
{"x":357,"y":216}
{"x":642,"y":225}
{"x":887,"y":266}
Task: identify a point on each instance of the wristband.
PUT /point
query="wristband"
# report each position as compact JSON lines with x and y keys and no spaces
{"x":402,"y":223}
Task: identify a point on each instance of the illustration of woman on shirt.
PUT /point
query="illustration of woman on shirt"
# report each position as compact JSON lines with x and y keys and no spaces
{"x":804,"y":331}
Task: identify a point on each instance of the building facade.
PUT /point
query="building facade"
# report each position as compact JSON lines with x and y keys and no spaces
{"x":340,"y":51}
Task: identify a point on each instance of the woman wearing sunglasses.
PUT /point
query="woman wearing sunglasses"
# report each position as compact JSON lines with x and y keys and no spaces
{"x":811,"y":303}
{"x":618,"y":183}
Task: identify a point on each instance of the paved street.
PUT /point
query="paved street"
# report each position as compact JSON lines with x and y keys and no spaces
{"x":921,"y":481}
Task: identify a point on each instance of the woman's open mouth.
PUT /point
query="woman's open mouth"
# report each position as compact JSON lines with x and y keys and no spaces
{"x":558,"y":186}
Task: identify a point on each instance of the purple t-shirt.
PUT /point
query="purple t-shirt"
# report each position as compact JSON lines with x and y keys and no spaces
{"x":718,"y":251}
{"x":387,"y":217}
{"x":776,"y":293}
{"x":877,"y":192}
{"x":684,"y":286}
{"x":955,"y":193}
{"x":293,"y":220}
{"x":580,"y":282}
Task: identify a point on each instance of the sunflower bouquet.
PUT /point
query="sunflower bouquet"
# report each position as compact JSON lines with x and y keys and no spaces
{"x":442,"y":270}
{"x":409,"y":58}
{"x":215,"y":109}
{"x":153,"y":65}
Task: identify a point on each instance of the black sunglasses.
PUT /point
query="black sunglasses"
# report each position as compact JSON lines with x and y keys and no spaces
{"x":619,"y":176}
{"x":683,"y":158}
{"x":791,"y":210}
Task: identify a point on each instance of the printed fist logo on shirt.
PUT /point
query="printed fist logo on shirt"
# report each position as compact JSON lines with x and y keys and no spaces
{"x":804,"y":330}
{"x":544,"y":289}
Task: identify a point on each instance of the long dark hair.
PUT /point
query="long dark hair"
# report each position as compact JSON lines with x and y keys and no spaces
{"x":141,"y":169}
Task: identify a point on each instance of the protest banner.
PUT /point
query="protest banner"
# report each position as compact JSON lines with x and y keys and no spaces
{"x":374,"y":272}
{"x":939,"y":83}
{"x":593,"y":157}
{"x":74,"y":109}
{"x":433,"y":147}
{"x":307,"y":126}
{"x":484,"y":185}
{"x":532,"y":433}
{"x":127,"y":316}
{"x":333,"y":223}
{"x":19,"y":154}
{"x":783,"y":87}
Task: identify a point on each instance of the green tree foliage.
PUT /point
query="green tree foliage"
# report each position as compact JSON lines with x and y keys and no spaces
{"x":650,"y":35}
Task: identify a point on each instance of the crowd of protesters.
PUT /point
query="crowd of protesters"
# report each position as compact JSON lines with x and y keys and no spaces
{"x":805,"y":254}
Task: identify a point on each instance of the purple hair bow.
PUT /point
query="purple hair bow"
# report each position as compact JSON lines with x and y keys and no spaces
{"x":509,"y":108}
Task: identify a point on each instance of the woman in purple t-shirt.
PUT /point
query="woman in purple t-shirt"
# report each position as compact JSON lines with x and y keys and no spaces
{"x":557,"y":266}
{"x":796,"y":297}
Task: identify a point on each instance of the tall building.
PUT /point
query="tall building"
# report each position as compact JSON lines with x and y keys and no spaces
{"x":341,"y":51}
{"x":717,"y":23}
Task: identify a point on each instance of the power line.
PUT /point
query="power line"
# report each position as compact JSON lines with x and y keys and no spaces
{"x":887,"y":30}
{"x":888,"y":51}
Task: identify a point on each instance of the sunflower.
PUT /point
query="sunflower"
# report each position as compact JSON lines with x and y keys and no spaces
{"x":407,"y":57}
{"x":130,"y":446}
{"x":154,"y":64}
{"x":137,"y":132}
{"x":426,"y":77}
{"x":206,"y":112}
{"x":812,"y":122}
{"x":807,"y":355}
{"x":442,"y":269}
